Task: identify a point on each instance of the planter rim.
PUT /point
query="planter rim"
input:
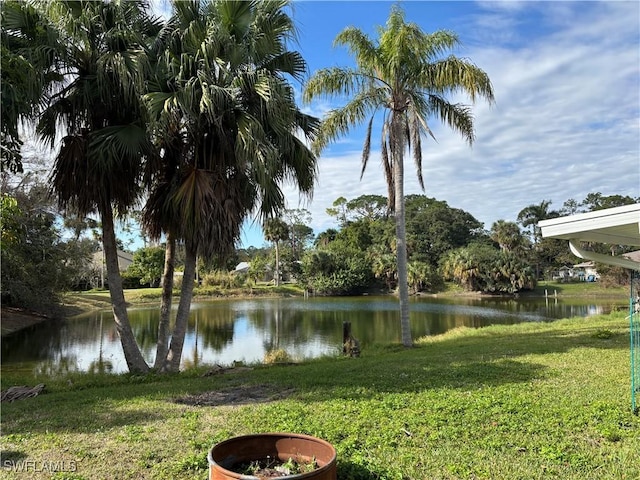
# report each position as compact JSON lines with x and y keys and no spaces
{"x":301,"y":436}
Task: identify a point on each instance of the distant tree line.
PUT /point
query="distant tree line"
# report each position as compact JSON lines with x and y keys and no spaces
{"x":443,"y":244}
{"x":45,"y":253}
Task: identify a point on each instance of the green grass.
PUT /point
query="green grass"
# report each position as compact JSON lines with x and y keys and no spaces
{"x":581,"y":289}
{"x":528,"y":401}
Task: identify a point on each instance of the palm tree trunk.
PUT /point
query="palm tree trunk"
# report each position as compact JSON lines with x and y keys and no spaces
{"x":397,"y":152}
{"x":277,"y":264}
{"x":162,"y":346}
{"x":174,"y":355}
{"x":135,"y":361}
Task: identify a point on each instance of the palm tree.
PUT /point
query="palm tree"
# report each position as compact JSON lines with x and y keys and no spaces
{"x":530,"y":217}
{"x":30,"y":47}
{"x":227,"y":119}
{"x":97,"y":105}
{"x":404,"y":76}
{"x":383,"y":264}
{"x":507,"y":235}
{"x":460,"y":266}
{"x":421,"y":276}
{"x":276,"y":230}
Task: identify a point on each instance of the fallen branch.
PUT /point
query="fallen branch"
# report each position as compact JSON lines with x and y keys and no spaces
{"x":18,"y":393}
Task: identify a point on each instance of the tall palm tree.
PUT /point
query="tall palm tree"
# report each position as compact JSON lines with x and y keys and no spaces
{"x":227,"y":118}
{"x":276,"y":230}
{"x":98,"y":108}
{"x":531,"y":215}
{"x":404,"y":76}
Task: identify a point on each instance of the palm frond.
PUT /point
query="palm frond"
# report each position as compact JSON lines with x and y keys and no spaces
{"x":121,"y":141}
{"x":290,"y":63}
{"x":301,"y":166}
{"x":421,"y":109}
{"x":335,"y":82}
{"x":70,"y":176}
{"x":387,"y":167}
{"x":366,"y":149}
{"x":360,"y":45}
{"x":339,"y":121}
{"x":452,"y":74}
{"x":439,"y":42}
{"x":457,"y":116}
{"x":415,"y":144}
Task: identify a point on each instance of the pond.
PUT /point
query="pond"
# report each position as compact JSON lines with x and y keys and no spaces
{"x":226,"y":331}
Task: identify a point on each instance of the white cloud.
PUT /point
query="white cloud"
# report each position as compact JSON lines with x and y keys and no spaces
{"x":565,"y":123}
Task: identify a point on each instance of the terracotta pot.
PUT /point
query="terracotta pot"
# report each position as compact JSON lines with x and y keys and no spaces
{"x":224,"y":456}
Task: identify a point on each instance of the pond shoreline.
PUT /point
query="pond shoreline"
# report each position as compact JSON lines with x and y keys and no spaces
{"x":16,"y":319}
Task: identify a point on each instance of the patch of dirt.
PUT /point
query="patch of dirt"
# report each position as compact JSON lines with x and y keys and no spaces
{"x":240,"y":395}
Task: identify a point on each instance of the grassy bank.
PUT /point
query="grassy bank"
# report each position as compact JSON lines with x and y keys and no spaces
{"x":548,"y":400}
{"x":99,"y":299}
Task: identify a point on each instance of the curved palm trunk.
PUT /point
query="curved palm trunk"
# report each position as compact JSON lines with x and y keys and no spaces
{"x":174,"y":355}
{"x":397,"y":152}
{"x":135,"y":361}
{"x":162,"y":345}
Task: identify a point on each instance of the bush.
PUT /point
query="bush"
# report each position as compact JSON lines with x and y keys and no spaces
{"x":276,"y":356}
{"x":222,"y":279}
{"x":131,"y":280}
{"x":327,"y":273}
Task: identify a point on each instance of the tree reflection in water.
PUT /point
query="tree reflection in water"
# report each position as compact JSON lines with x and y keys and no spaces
{"x":224,"y":331}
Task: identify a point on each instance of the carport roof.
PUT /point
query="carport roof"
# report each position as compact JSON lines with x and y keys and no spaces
{"x":616,"y":226}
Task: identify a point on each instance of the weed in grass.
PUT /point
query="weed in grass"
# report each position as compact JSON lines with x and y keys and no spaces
{"x":603,"y":334}
{"x":193,"y":462}
{"x":149,"y":458}
{"x":67,"y":476}
{"x":190,"y":420}
{"x":132,"y":434}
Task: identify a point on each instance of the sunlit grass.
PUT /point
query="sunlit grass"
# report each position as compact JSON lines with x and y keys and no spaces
{"x":533,"y":400}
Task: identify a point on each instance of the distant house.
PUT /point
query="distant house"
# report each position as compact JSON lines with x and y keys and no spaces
{"x":563,"y":274}
{"x":586,"y":271}
{"x":579,"y":272}
{"x":98,"y":264}
{"x":242,"y":267}
{"x":124,"y":260}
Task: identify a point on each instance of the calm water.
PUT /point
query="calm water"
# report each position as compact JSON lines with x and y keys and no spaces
{"x":224,"y":331}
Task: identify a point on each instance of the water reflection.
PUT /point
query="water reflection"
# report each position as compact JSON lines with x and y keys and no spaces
{"x":225,"y":331}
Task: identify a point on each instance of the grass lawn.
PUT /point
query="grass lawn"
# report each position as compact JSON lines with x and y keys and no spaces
{"x":528,"y":401}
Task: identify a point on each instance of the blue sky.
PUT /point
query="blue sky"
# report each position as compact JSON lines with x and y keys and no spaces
{"x":566,"y":121}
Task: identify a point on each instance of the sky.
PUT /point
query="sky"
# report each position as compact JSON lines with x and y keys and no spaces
{"x":565,"y":122}
{"x":566,"y":118}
